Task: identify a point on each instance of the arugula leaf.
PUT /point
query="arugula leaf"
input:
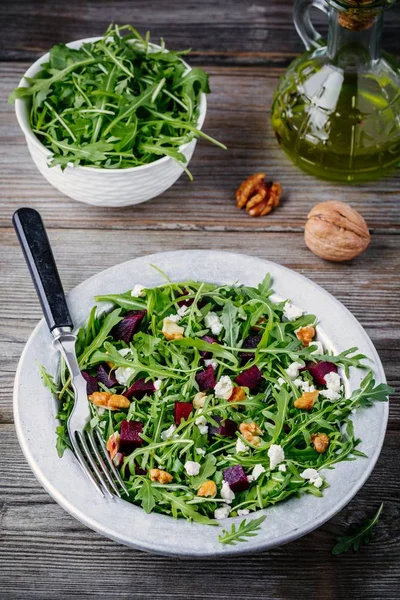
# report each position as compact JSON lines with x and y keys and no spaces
{"x":369,"y":392}
{"x":112,"y":319}
{"x":245,"y":530}
{"x":48,"y":380}
{"x":62,"y":442}
{"x":187,"y":510}
{"x":147,"y":494}
{"x":362,"y":534}
{"x":228,"y":320}
{"x":207,"y":469}
{"x":276,"y":420}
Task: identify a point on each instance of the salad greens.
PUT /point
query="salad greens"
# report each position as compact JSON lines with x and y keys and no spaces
{"x":362,"y":533}
{"x":116,"y":102}
{"x":241,"y":533}
{"x":256,"y":354}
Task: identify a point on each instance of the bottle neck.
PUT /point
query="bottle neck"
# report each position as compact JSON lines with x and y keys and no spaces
{"x":348,"y":46}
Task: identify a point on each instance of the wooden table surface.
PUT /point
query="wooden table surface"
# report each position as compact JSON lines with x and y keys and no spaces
{"x":245,"y":45}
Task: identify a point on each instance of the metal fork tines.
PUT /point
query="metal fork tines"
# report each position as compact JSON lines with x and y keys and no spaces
{"x":88,"y":445}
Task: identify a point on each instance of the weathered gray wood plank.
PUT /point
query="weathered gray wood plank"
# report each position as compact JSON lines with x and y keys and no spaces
{"x":70,"y":561}
{"x":238,"y":115}
{"x":369,"y":287}
{"x":230,"y":32}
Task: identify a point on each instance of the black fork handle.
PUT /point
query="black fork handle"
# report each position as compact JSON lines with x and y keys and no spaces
{"x":36,"y":247}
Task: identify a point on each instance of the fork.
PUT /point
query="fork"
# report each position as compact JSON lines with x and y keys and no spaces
{"x":87,"y":444}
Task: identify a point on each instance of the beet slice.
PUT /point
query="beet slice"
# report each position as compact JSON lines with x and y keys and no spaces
{"x":182,"y":410}
{"x":129,"y":436}
{"x":206,"y":379}
{"x":140,"y":388}
{"x":250,"y":378}
{"x":319,"y":370}
{"x":227,"y":428}
{"x":251,"y":341}
{"x":91,"y":383}
{"x":189,"y":301}
{"x":236,"y":478}
{"x":210,"y":340}
{"x":104,"y":376}
{"x":126,"y":328}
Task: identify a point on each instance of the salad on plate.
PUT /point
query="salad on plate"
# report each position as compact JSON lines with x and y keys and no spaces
{"x":215,"y":400}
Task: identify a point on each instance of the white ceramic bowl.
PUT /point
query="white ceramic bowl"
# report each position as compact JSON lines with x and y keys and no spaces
{"x":103,"y":187}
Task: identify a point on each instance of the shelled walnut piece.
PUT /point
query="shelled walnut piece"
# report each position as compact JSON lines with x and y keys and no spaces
{"x":320,"y":442}
{"x":259,"y":197}
{"x":160,"y":476}
{"x":108,"y":400}
{"x":335,"y":231}
{"x":208,"y":489}
{"x":306,"y":401}
{"x":305,"y":335}
{"x":251,"y":432}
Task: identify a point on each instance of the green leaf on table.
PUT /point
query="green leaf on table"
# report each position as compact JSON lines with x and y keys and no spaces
{"x":362,"y":534}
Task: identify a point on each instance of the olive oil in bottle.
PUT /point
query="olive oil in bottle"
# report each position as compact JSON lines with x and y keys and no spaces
{"x":336,"y":112}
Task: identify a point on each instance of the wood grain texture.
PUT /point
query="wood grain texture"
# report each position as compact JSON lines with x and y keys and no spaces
{"x":225,"y":32}
{"x":244,"y":44}
{"x":238,"y":115}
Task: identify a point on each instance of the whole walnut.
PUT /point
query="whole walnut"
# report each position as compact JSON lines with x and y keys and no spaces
{"x":335,"y":231}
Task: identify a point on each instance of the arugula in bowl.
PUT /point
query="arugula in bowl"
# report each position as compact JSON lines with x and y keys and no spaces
{"x":116,"y":102}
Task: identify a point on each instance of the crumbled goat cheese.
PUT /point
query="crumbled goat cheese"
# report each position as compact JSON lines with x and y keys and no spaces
{"x":333,"y":381}
{"x":226,"y":493}
{"x":224,"y":388}
{"x":157,"y":384}
{"x":223,"y":512}
{"x":330,"y":394}
{"x":280,"y":382}
{"x":241,"y":446}
{"x":306,"y":386}
{"x":192,"y":467}
{"x":168,"y":433}
{"x":282,"y":468}
{"x":257,"y":471}
{"x":202,"y":424}
{"x":291,"y":312}
{"x":123,"y":374}
{"x":211,"y":362}
{"x":138,"y":290}
{"x":174,"y":318}
{"x":318,"y":347}
{"x":200,"y":451}
{"x":293,"y":370}
{"x":313,"y":477}
{"x":213,"y":322}
{"x":276,"y":455}
{"x":242,"y":512}
{"x":182,"y":310}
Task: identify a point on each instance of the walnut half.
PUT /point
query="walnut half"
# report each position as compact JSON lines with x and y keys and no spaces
{"x":259,"y":197}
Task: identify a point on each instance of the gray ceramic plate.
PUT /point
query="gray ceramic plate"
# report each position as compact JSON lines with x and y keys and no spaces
{"x":35,"y":411}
